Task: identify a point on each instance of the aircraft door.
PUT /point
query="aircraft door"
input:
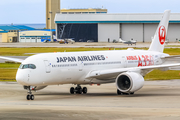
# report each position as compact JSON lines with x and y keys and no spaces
{"x":81,"y":66}
{"x":124,"y":61}
{"x":47,"y":66}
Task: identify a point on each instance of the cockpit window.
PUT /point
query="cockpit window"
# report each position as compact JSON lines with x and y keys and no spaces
{"x":21,"y":66}
{"x":27,"y":66}
{"x":32,"y":66}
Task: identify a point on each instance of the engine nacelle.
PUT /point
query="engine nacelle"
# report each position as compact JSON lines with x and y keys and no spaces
{"x":129,"y":82}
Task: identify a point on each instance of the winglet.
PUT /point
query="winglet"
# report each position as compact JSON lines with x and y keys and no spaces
{"x":160,"y":35}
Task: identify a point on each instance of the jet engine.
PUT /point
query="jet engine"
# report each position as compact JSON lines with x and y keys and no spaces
{"x":35,"y":88}
{"x":129,"y":82}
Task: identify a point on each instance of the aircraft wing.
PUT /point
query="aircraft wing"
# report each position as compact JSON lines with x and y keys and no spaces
{"x":172,"y":59}
{"x":12,"y":59}
{"x":113,"y":73}
{"x":173,"y":56}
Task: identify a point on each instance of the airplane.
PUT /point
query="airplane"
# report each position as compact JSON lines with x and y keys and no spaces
{"x":130,"y":42}
{"x":125,"y":68}
{"x":125,"y":42}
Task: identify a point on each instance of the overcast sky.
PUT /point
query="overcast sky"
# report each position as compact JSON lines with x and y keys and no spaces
{"x":33,"y":11}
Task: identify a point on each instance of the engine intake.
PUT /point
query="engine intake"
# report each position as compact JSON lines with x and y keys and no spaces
{"x":129,"y":82}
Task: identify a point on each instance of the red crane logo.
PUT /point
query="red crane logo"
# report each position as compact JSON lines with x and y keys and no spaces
{"x":162,"y":34}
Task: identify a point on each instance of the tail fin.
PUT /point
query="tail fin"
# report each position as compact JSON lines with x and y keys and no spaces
{"x":160,"y":35}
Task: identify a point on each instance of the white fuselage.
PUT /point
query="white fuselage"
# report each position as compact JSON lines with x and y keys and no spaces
{"x":73,"y":67}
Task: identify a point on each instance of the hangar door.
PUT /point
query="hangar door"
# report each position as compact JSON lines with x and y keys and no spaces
{"x":0,"y":37}
{"x":173,"y":34}
{"x":149,"y":31}
{"x":108,"y":32}
{"x":132,"y":31}
{"x":78,"y":32}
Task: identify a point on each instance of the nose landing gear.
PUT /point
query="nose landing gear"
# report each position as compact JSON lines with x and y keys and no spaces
{"x":30,"y":96}
{"x":78,"y":90}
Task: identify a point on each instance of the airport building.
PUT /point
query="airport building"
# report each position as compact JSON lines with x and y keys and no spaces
{"x":83,"y":11}
{"x":104,"y":27}
{"x":35,"y":35}
{"x":11,"y":33}
{"x":52,"y":7}
{"x":21,"y":33}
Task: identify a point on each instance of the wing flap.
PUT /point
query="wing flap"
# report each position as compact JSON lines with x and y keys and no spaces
{"x":173,"y":56}
{"x":113,"y":73}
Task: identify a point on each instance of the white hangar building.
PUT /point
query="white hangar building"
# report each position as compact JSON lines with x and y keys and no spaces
{"x":101,"y":27}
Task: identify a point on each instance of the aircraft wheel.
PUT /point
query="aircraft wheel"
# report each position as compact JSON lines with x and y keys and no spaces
{"x":28,"y":97}
{"x":132,"y":93}
{"x":119,"y":92}
{"x":32,"y":97}
{"x":84,"y":90}
{"x":76,"y":90}
{"x":80,"y":90}
{"x":72,"y":90}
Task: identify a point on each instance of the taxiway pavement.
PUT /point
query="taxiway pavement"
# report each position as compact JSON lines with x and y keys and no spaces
{"x":157,"y":100}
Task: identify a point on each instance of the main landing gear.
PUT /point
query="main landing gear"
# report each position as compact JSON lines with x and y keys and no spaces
{"x":122,"y":93}
{"x":30,"y":96}
{"x":78,"y":90}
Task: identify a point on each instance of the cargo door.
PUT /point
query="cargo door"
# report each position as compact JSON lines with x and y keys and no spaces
{"x":47,"y":66}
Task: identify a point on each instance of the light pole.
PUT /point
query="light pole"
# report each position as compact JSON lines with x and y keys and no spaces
{"x":51,"y":25}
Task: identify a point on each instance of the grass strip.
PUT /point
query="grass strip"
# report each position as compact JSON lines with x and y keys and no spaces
{"x":9,"y":65}
{"x":22,"y":51}
{"x":163,"y":75}
{"x":8,"y":74}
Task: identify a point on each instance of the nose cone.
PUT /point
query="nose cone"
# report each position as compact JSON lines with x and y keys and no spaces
{"x":20,"y":77}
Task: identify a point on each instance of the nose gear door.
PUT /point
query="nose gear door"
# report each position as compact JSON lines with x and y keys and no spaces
{"x":47,"y":66}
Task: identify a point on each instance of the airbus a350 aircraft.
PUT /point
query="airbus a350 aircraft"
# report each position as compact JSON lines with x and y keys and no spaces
{"x":126,"y":68}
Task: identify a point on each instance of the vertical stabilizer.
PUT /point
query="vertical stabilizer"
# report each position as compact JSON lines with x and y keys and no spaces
{"x":160,"y":35}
